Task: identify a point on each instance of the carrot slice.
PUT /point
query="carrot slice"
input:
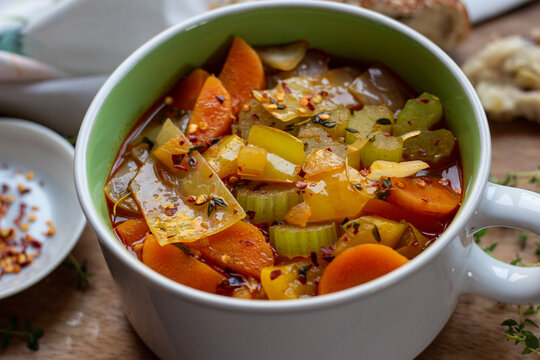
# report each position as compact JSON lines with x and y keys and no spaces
{"x":242,"y":72}
{"x":359,"y":265}
{"x":177,"y":265}
{"x":241,"y":248}
{"x":132,"y":231}
{"x":186,"y":93}
{"x":424,"y":196}
{"x":211,"y":116}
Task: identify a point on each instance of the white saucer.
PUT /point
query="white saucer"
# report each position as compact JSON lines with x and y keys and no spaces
{"x":24,"y":147}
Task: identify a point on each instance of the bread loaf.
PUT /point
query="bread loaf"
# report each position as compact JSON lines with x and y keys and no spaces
{"x":445,"y":22}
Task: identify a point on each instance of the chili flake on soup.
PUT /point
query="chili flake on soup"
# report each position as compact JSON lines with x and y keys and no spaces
{"x":289,"y":174}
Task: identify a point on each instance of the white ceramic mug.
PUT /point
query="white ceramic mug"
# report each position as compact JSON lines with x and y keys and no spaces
{"x":393,"y":317}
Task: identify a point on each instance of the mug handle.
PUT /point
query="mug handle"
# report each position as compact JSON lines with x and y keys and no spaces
{"x":508,"y":207}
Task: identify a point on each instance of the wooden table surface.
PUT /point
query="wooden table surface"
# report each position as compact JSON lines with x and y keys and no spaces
{"x":91,"y":324}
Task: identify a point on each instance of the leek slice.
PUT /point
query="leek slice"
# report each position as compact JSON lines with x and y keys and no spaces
{"x":292,"y":241}
{"x":269,"y":203}
{"x":116,"y":188}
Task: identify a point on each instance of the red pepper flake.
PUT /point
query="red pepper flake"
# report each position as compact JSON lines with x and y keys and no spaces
{"x":301,"y":173}
{"x":301,"y":184}
{"x":422,"y":101}
{"x":437,"y":142}
{"x":286,"y":89}
{"x":182,"y":142}
{"x":255,"y":117}
{"x":323,"y":93}
{"x":409,"y":122}
{"x":191,"y":199}
{"x":22,"y":189}
{"x":328,"y":149}
{"x":275,"y":274}
{"x":365,"y":171}
{"x":220,"y":98}
{"x":235,"y":211}
{"x":212,"y":174}
{"x":22,"y":210}
{"x":310,"y":106}
{"x":192,"y":138}
{"x":177,"y":161}
{"x":250,"y":214}
{"x":170,"y":211}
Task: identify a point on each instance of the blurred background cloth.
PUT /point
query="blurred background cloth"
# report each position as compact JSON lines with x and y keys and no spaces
{"x":55,"y":54}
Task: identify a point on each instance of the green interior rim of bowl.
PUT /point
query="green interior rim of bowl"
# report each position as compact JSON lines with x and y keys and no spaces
{"x":339,"y":33}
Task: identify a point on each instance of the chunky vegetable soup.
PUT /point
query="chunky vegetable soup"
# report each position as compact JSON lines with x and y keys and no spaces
{"x":286,"y":174}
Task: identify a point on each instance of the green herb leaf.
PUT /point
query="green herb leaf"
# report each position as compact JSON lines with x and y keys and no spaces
{"x":479,"y":234}
{"x":376,"y":234}
{"x":384,"y":121}
{"x":183,"y":248}
{"x":317,"y":120}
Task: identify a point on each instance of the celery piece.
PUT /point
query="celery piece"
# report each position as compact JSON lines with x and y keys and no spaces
{"x":419,"y":114}
{"x":316,"y":137}
{"x":430,"y":146}
{"x":292,"y":241}
{"x":381,"y":147}
{"x":368,"y":120}
{"x":341,"y":116}
{"x":269,"y":203}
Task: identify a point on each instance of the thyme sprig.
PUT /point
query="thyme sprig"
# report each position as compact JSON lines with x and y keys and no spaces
{"x":517,"y":332}
{"x":31,"y":336}
{"x":81,"y":269}
{"x":519,"y":178}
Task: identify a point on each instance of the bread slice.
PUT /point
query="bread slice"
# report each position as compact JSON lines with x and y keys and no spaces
{"x":445,"y":22}
{"x":506,"y":75}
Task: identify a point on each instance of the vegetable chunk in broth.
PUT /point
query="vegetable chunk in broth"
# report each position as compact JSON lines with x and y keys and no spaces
{"x":284,"y":176}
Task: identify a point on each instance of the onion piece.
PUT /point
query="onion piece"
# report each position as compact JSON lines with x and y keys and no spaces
{"x":284,"y":57}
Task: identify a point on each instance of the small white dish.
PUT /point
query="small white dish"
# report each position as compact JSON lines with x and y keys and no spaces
{"x":29,"y":147}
